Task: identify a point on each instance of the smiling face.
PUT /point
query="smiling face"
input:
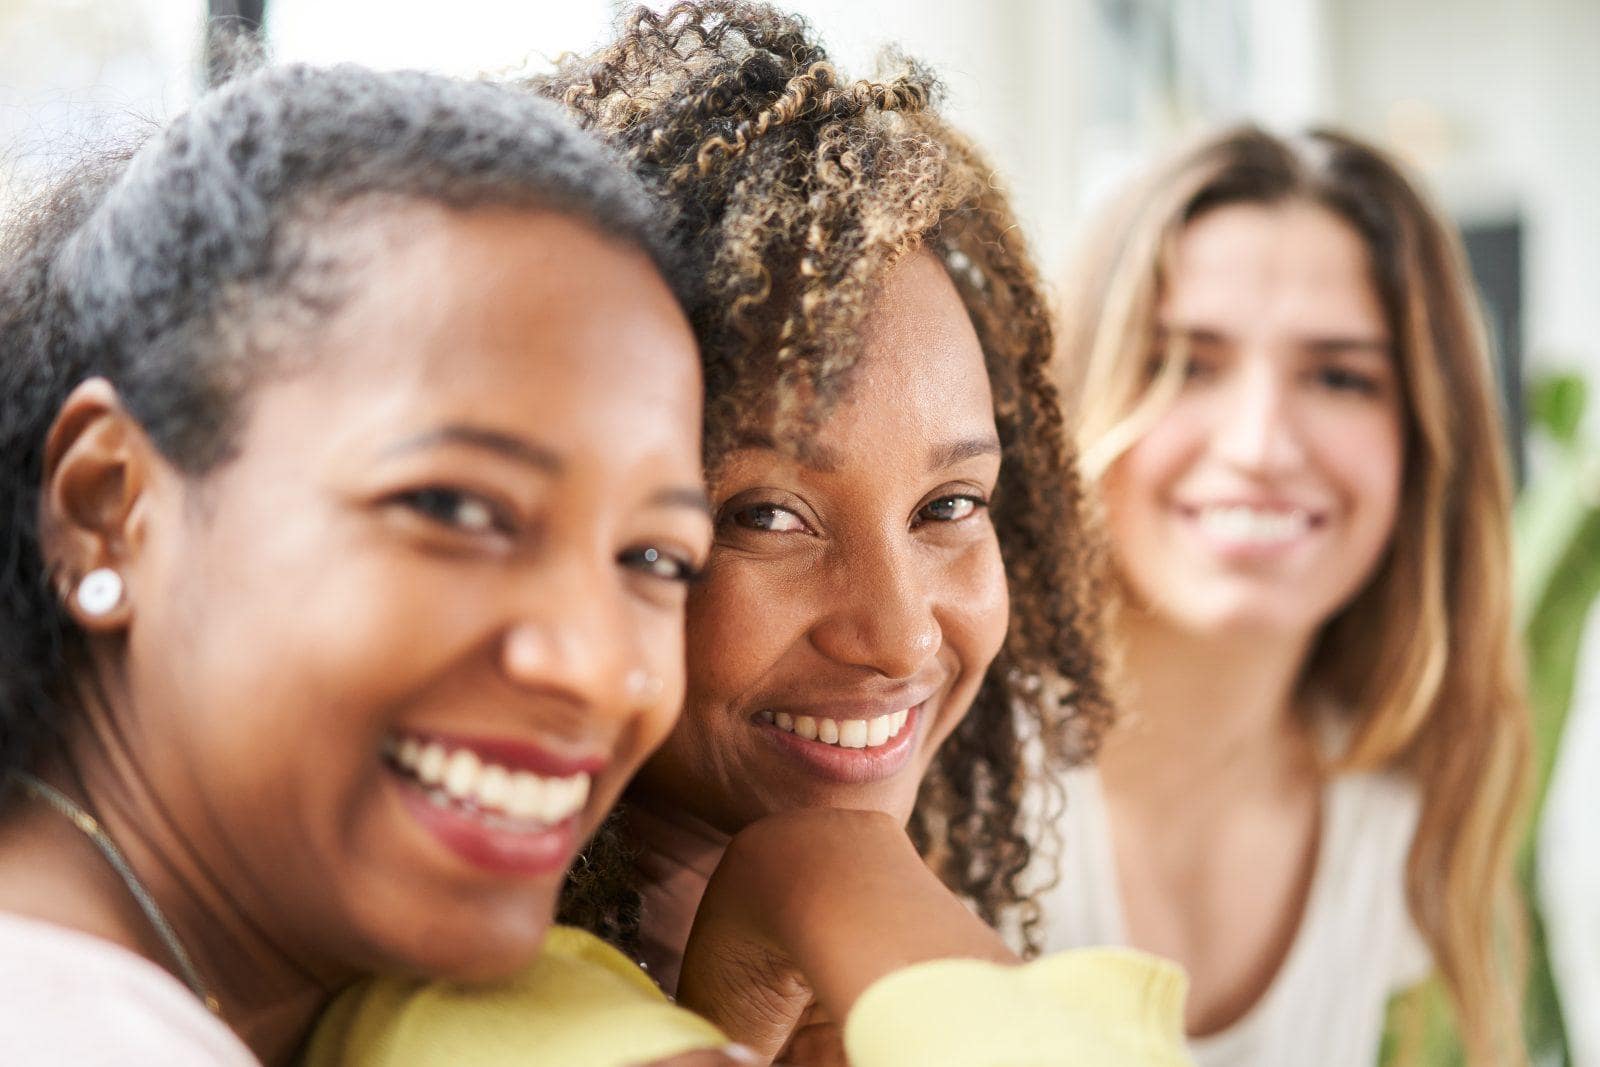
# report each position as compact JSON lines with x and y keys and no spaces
{"x":855,"y":595}
{"x":1263,"y":498}
{"x":395,"y":660}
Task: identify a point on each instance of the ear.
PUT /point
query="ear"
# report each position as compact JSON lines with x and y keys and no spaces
{"x":97,"y":464}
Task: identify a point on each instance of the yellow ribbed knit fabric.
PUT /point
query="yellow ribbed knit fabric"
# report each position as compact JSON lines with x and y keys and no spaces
{"x":581,"y":1004}
{"x":1085,"y":1008}
{"x":584,"y":1004}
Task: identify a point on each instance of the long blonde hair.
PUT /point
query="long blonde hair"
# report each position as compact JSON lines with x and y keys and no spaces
{"x":1424,"y":656}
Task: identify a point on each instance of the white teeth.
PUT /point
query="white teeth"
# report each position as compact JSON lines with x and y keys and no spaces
{"x":527,"y":795}
{"x":1240,"y":522}
{"x":846,"y":733}
{"x":430,"y":764}
{"x":494,"y":787}
{"x":461,"y":774}
{"x":462,"y":779}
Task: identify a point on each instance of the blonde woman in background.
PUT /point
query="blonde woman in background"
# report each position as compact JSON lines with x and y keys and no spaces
{"x":1285,"y":399}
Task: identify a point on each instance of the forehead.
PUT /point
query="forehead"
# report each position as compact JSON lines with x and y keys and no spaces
{"x":513,"y":318}
{"x":922,"y":372}
{"x":1251,"y":268}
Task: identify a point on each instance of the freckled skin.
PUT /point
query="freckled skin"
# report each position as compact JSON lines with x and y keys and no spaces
{"x":850,"y":591}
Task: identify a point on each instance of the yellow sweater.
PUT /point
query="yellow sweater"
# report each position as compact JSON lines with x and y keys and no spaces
{"x":584,"y":1004}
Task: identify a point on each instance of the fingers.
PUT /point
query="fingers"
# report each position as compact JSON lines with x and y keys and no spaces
{"x":738,"y":986}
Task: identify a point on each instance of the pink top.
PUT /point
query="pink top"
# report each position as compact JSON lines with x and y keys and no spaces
{"x":67,"y":997}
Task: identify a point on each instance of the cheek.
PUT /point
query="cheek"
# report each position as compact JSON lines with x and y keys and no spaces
{"x":319,"y":635}
{"x":973,"y":620}
{"x":1365,"y":456}
{"x":742,"y":619}
{"x":662,"y":638}
{"x":1137,"y":484}
{"x":979,"y":609}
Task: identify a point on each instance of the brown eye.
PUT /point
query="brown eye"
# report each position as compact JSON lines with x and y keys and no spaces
{"x":769,"y":518}
{"x":454,"y":508}
{"x":1343,"y":380}
{"x":659,"y":563}
{"x":951,"y":508}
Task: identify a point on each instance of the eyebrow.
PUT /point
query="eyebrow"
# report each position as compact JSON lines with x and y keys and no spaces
{"x":827,"y":460}
{"x":948,"y":455}
{"x":1329,"y":345}
{"x":509,"y":445}
{"x":1334,"y":346}
{"x":537,"y":456}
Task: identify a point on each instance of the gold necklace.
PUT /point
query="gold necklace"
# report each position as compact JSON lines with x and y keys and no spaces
{"x":92,"y":829}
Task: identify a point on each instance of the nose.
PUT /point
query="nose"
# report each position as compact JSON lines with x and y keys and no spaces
{"x":569,"y":638}
{"x":881,"y":614}
{"x":1256,"y":429}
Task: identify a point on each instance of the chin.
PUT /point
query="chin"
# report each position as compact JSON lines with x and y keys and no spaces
{"x":1242,"y":621}
{"x":463,"y":941}
{"x":485,"y":959}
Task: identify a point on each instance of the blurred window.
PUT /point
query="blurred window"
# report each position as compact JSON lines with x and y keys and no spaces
{"x":75,"y":71}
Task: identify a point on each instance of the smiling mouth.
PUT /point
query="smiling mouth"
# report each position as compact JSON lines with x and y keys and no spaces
{"x":844,"y":733}
{"x":1243,"y":524}
{"x":502,"y":797}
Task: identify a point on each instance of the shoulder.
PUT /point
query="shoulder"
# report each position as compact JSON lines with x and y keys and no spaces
{"x":581,"y":1001}
{"x":1370,"y":821}
{"x":1366,"y":799}
{"x":1088,"y":1006}
{"x":67,"y":997}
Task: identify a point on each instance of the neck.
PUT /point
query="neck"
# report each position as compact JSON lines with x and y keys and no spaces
{"x":1202,"y":711}
{"x":677,"y":854}
{"x":267,"y":996}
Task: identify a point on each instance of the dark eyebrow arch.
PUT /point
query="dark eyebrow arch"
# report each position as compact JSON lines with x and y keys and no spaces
{"x":948,"y":455}
{"x":504,"y":444}
{"x":826,"y":460}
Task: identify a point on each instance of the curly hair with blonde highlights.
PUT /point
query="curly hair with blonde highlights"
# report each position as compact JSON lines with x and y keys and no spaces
{"x":793,"y":191}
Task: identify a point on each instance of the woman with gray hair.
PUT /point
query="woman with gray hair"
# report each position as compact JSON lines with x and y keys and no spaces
{"x":349,"y":488}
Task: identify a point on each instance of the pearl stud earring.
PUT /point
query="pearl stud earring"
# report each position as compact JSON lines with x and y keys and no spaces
{"x":100,"y":591}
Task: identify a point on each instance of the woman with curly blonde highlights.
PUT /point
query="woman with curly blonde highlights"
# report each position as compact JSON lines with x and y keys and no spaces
{"x":797,"y":193}
{"x":1288,"y":408}
{"x":885,"y":453}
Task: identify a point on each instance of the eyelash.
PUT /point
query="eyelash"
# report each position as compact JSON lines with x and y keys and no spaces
{"x":1342,"y":380}
{"x":650,"y":561}
{"x":738,"y":516}
{"x":978,"y":504}
{"x":443,"y":506}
